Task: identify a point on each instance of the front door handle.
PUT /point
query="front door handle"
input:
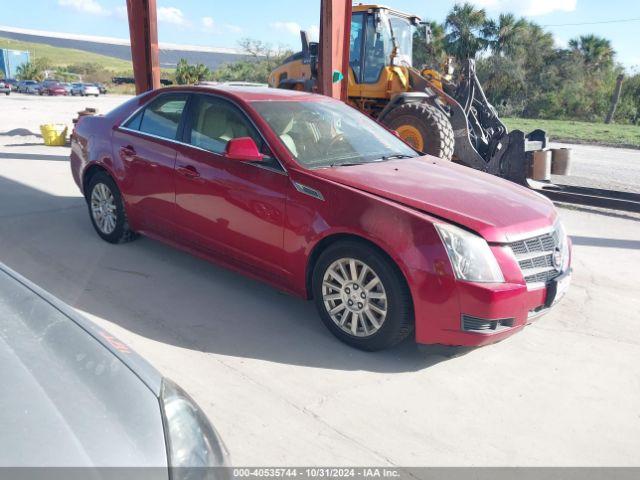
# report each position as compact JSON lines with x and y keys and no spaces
{"x":188,"y":171}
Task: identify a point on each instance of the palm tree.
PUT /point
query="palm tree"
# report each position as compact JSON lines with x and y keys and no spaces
{"x":504,"y":35}
{"x":429,"y":51}
{"x":189,"y":74}
{"x":595,"y":51}
{"x":29,"y":71}
{"x":464,"y":26}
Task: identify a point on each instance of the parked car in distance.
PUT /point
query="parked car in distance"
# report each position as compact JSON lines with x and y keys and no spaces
{"x":102,"y":88}
{"x":84,"y":89}
{"x":79,"y":397}
{"x":67,"y":87}
{"x":23,"y":86}
{"x":5,"y":88}
{"x":34,"y":88}
{"x":312,"y":196}
{"x":11,"y":82}
{"x":46,"y":84}
{"x":53,"y":89}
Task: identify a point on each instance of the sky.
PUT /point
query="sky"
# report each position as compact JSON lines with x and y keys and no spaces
{"x":216,"y":23}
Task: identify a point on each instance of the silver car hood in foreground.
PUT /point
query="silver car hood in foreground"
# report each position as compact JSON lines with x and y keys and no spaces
{"x":70,"y":394}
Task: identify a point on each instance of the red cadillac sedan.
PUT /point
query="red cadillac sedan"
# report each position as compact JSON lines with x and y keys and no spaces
{"x":53,"y":89}
{"x":309,"y":195}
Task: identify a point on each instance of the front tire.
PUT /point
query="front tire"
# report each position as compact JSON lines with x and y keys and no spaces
{"x":425,"y":127}
{"x":106,"y":210}
{"x":362,"y":297}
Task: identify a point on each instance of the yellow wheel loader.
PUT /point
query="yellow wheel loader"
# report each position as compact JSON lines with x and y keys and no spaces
{"x":437,"y":115}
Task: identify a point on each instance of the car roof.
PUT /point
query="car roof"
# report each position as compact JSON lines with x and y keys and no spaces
{"x":254,"y":94}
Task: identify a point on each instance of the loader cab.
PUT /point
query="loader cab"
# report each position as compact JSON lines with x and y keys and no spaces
{"x":380,"y":38}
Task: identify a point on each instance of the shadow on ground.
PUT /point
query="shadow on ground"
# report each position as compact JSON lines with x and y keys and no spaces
{"x":34,"y":156}
{"x":171,"y":297}
{"x":20,"y":132}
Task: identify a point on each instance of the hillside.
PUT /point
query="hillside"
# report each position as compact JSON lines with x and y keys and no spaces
{"x":581,"y":132}
{"x":66,"y":56}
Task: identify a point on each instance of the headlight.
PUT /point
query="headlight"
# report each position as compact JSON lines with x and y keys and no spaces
{"x":193,"y":444}
{"x":470,"y":255}
{"x":563,"y":238}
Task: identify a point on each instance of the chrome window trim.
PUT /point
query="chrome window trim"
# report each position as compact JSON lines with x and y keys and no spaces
{"x":177,"y":142}
{"x":140,"y":108}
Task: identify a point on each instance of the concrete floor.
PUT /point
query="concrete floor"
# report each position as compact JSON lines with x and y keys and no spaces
{"x":283,"y":391}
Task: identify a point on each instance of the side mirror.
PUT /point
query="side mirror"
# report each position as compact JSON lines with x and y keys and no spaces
{"x":428,"y":34}
{"x":243,"y":149}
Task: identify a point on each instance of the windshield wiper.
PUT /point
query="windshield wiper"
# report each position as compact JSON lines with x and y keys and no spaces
{"x":393,"y":157}
{"x":347,"y":164}
{"x":379,"y":160}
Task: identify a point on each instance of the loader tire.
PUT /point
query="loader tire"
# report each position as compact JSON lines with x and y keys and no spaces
{"x":425,"y":127}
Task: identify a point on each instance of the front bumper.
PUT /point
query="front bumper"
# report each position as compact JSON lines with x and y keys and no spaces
{"x":473,"y":315}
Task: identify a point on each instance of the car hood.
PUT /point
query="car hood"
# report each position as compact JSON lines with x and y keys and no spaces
{"x":67,"y":400}
{"x":498,"y":210}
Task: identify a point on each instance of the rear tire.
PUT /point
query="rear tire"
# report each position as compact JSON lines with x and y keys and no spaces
{"x":362,"y":297}
{"x":106,"y":210}
{"x":425,"y":127}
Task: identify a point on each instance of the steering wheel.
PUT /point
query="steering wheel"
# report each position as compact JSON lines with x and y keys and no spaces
{"x":335,"y":142}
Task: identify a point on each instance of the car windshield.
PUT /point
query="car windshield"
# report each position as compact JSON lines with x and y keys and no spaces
{"x":329,"y":134}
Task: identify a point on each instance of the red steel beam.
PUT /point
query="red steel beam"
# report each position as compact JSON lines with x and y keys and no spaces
{"x":143,"y":30}
{"x":335,"y":32}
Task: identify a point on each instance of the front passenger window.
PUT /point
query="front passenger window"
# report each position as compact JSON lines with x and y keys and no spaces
{"x":214,"y":122}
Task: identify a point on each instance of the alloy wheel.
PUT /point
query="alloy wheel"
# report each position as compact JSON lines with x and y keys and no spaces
{"x":354,"y":297}
{"x":103,"y":208}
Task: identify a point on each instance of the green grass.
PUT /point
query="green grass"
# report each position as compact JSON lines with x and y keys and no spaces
{"x":61,"y":57}
{"x":581,"y":132}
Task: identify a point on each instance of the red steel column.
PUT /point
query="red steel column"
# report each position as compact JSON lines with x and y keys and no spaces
{"x":335,"y":33}
{"x":143,"y":29}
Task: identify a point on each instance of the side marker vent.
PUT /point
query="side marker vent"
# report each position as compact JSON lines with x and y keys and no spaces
{"x":312,"y":192}
{"x":480,"y":325}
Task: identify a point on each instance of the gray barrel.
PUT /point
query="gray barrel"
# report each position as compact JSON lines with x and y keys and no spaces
{"x":561,"y":164}
{"x":541,"y":166}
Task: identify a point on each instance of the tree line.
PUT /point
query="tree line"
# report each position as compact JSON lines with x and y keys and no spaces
{"x":260,"y":60}
{"x":525,"y":74}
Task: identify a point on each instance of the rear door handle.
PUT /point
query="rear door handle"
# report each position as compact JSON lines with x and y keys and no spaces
{"x":128,"y":151}
{"x":188,"y":171}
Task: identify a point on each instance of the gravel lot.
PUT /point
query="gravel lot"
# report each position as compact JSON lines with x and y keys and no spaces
{"x":603,"y":167}
{"x":283,"y":391}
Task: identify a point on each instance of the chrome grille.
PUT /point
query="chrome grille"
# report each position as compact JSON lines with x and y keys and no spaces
{"x":535,"y":257}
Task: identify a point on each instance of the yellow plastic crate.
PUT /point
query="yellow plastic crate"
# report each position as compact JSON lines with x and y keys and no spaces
{"x":54,"y":134}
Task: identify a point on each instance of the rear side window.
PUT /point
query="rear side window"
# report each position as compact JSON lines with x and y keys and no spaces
{"x":161,"y":117}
